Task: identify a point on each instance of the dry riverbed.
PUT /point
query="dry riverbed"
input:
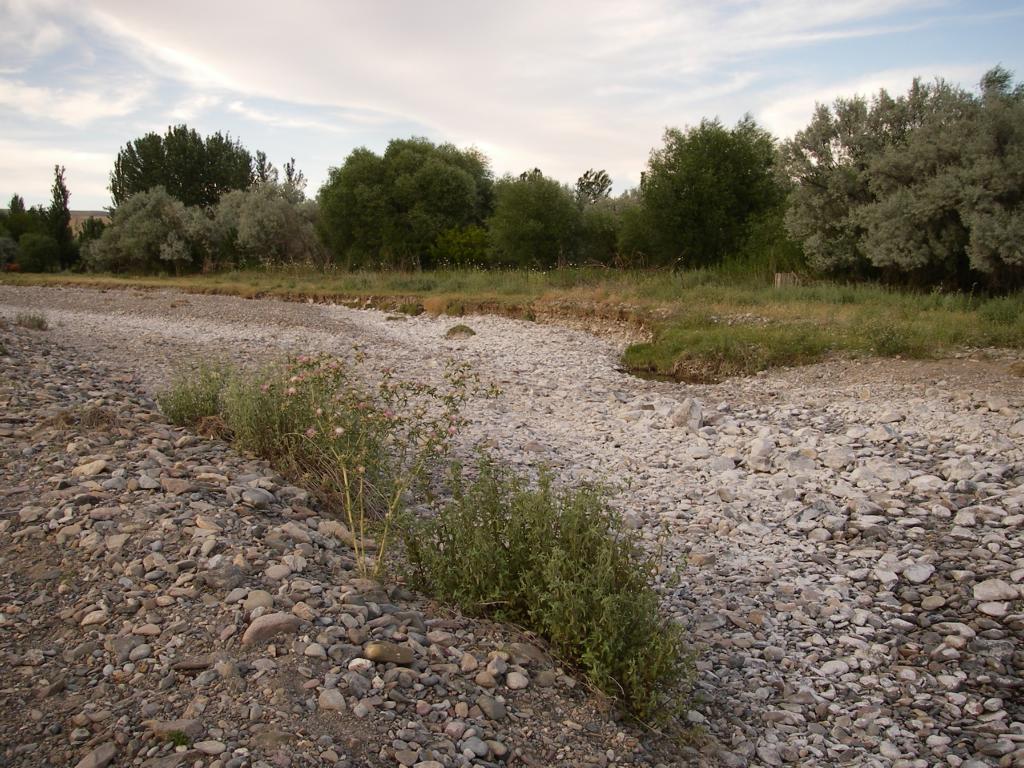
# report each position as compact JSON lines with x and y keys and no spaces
{"x":849,"y":539}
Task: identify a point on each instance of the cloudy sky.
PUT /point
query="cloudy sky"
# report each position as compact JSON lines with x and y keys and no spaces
{"x":563,"y":84}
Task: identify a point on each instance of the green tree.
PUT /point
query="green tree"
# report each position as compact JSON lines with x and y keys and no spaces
{"x":593,"y":186}
{"x":23,"y":221}
{"x":702,"y":189}
{"x":16,"y":205}
{"x":536,"y":222}
{"x":264,"y":171}
{"x":390,"y":210}
{"x":993,"y":195}
{"x":924,"y":188}
{"x":294,"y":181}
{"x":264,"y":225}
{"x":59,"y":216}
{"x":91,"y":229}
{"x":38,"y":252}
{"x":151,"y":232}
{"x":461,"y":247}
{"x":194,"y":170}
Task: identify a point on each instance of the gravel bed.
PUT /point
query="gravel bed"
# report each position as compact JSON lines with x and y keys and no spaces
{"x":848,"y":537}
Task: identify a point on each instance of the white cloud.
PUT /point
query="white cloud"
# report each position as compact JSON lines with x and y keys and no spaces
{"x":563,"y":86}
{"x":26,"y":29}
{"x":283,"y":121}
{"x":27,"y":168}
{"x":73,"y":107}
{"x":194,"y":105}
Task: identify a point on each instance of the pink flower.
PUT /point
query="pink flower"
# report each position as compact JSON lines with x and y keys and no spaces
{"x":291,"y":391}
{"x":451,"y":431}
{"x":311,"y":432}
{"x":264,"y":387}
{"x":339,"y":431}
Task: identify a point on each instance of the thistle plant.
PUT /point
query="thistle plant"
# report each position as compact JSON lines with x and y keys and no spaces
{"x":366,"y":452}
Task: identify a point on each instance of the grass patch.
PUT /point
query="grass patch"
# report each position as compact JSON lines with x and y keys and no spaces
{"x":702,"y":351}
{"x":459,"y":331}
{"x":561,"y":564}
{"x":411,"y":308}
{"x":750,"y":324}
{"x":179,"y":738}
{"x":194,"y":396}
{"x":35,"y":321}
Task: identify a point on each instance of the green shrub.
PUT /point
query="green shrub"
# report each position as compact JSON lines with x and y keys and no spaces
{"x":1003,"y":311}
{"x":889,"y":339}
{"x":194,"y":395}
{"x":38,"y":253}
{"x":413,"y":308}
{"x":461,"y":247}
{"x":34,"y":321}
{"x":561,"y":564}
{"x":460,"y":331}
{"x":363,"y":452}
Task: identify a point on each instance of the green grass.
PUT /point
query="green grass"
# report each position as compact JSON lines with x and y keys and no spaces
{"x":563,"y":565}
{"x":703,"y":324}
{"x":35,"y":321}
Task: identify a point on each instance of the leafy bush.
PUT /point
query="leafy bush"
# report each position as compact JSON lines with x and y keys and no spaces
{"x":888,"y":339}
{"x":461,"y":247}
{"x":536,"y":222}
{"x":151,"y":232}
{"x":38,"y":253}
{"x":363,"y":452}
{"x":265,"y":225}
{"x":8,"y":251}
{"x":705,"y":188}
{"x":561,"y":564}
{"x":390,"y":210}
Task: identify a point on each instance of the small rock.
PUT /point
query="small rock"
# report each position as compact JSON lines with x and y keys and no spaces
{"x":331,"y":699}
{"x":270,"y":625}
{"x":918,"y":573}
{"x":994,"y":589}
{"x":90,"y":469}
{"x":516,"y":680}
{"x":210,"y":747}
{"x":100,"y":757}
{"x":491,"y":707}
{"x":388,"y":652}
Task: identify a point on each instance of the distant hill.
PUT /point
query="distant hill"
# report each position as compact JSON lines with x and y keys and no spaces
{"x":77,"y":217}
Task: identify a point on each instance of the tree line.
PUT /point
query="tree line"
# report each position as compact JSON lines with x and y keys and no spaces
{"x":924,"y":189}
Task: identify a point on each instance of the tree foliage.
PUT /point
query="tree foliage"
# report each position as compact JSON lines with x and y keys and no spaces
{"x":265,"y":225}
{"x":536,"y":222}
{"x":151,"y":231}
{"x":390,"y":210}
{"x":593,"y":186}
{"x":59,"y":218}
{"x":8,"y":252}
{"x":193,"y":170}
{"x":702,"y":189}
{"x":923,"y":188}
{"x":38,"y":252}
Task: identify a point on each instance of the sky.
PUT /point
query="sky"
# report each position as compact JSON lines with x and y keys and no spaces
{"x":563,"y":86}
